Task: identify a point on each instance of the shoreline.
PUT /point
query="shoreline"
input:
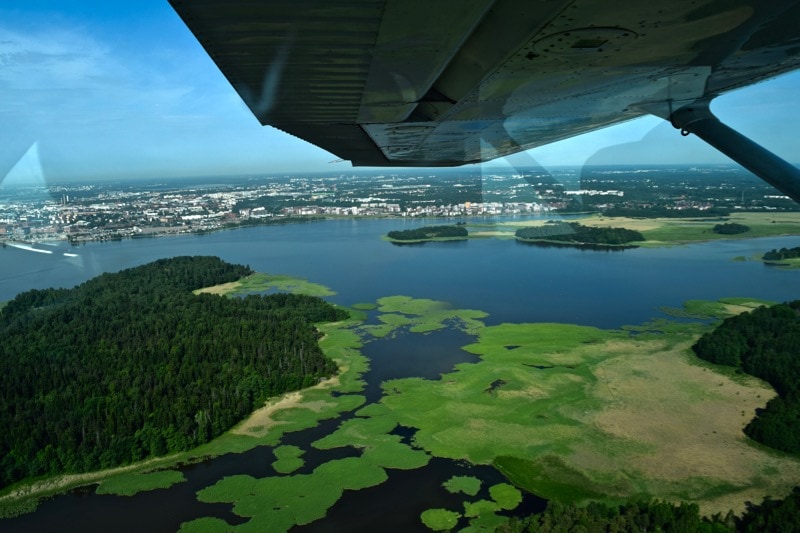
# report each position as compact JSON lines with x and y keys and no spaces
{"x":645,"y":225}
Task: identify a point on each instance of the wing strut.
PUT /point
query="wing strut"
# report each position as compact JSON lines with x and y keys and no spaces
{"x":697,"y":118}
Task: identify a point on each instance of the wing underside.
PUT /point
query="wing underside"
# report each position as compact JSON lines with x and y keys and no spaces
{"x":447,"y":82}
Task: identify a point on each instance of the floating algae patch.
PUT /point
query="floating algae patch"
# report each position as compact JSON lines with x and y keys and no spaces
{"x":506,"y":496}
{"x":289,"y":459}
{"x":358,"y":432}
{"x":260,"y":282}
{"x":440,"y":519}
{"x":467,"y":484}
{"x":206,"y":524}
{"x":457,"y":419}
{"x":133,"y":483}
{"x":479,"y":508}
{"x":485,"y":522}
{"x":407,"y":305}
{"x":706,"y":310}
{"x":422,"y":315}
{"x":380,"y":448}
{"x":482,"y":513}
{"x":279,"y":503}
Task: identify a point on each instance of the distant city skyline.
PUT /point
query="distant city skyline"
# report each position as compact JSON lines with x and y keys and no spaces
{"x":112,"y":90}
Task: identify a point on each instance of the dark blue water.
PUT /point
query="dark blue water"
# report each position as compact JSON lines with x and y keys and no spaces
{"x":511,"y":281}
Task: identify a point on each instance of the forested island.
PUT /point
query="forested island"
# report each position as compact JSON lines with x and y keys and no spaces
{"x":783,"y":253}
{"x":430,"y":233}
{"x":132,"y":364}
{"x":763,"y":343}
{"x":574,"y":233}
{"x":730,"y":228}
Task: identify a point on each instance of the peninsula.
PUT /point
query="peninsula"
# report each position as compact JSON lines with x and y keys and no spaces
{"x":576,"y":234}
{"x":132,"y":365}
{"x":455,"y":232}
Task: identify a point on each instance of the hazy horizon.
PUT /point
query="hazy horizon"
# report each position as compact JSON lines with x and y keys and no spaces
{"x":125,"y":91}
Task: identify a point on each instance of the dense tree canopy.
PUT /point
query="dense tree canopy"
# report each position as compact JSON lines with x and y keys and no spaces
{"x":783,"y":253}
{"x":573,"y":232}
{"x":643,"y":516}
{"x":133,"y":364}
{"x":634,"y":516}
{"x":730,"y":228}
{"x":429,"y":232}
{"x":665,"y":212}
{"x":764,"y":344}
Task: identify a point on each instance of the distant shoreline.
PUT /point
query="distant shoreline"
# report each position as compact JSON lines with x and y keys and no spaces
{"x":547,"y":243}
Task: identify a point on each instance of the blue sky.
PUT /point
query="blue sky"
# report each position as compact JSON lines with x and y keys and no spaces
{"x":121,"y":89}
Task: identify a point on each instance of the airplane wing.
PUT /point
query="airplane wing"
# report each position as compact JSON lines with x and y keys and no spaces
{"x":447,"y":82}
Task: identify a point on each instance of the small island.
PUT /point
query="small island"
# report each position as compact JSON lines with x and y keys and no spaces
{"x":575,"y":234}
{"x":457,"y":232}
{"x":731,"y":228}
{"x":785,"y":257}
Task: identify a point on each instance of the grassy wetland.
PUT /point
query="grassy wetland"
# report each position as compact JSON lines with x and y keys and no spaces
{"x":666,"y":231}
{"x":566,"y":412}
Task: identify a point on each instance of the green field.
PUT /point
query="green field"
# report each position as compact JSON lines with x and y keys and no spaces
{"x":467,"y":484}
{"x":792,"y":263}
{"x":260,"y":282}
{"x":288,"y":459}
{"x":673,"y":231}
{"x":130,"y":484}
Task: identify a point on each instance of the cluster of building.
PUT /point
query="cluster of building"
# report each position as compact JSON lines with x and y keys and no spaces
{"x":105,"y":214}
{"x":381,"y":209}
{"x":106,"y":211}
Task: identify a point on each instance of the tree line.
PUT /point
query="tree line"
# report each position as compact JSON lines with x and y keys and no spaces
{"x":764,"y":343}
{"x":665,"y":212}
{"x":730,"y":228}
{"x":574,"y":232}
{"x":783,"y":253}
{"x":643,"y":516}
{"x":132,"y":364}
{"x":429,"y":232}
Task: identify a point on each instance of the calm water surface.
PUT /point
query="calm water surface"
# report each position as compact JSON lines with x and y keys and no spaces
{"x":510,"y":281}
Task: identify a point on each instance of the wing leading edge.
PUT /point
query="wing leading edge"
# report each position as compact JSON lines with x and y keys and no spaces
{"x":442,"y":83}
